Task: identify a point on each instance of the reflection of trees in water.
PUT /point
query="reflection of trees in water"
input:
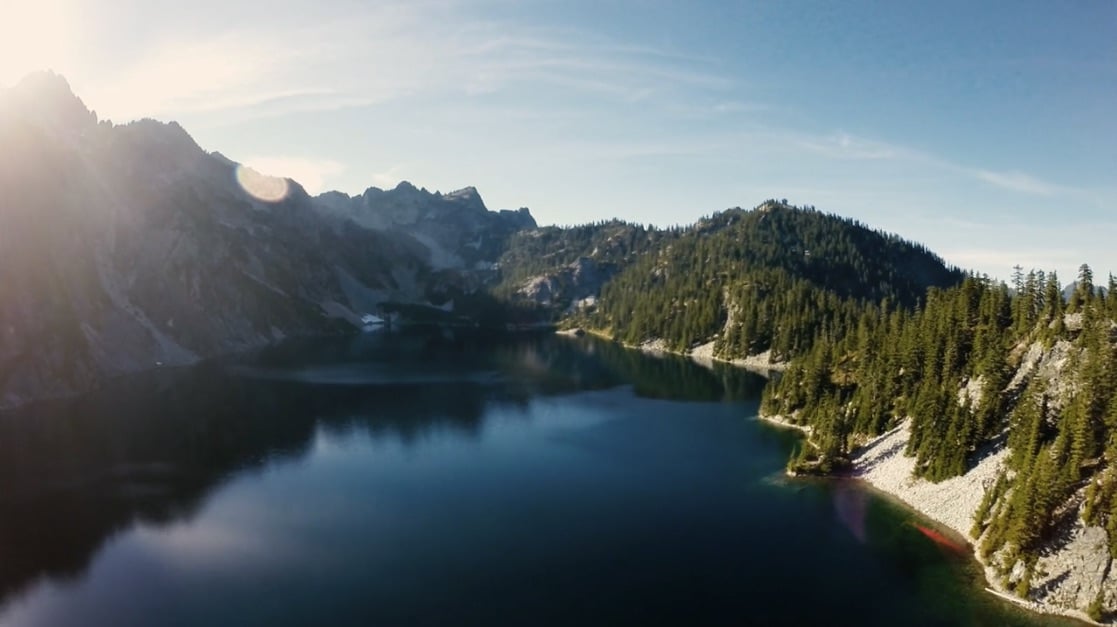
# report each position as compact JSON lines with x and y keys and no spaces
{"x":151,"y":447}
{"x":674,"y":377}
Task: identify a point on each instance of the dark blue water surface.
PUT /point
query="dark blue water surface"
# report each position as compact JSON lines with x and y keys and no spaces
{"x":439,"y":480}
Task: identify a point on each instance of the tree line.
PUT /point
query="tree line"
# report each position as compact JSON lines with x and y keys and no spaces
{"x":976,"y":366}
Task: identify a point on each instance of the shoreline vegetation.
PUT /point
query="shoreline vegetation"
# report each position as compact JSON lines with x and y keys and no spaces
{"x":702,"y":354}
{"x":1028,"y":371}
{"x":880,"y":464}
{"x":953,"y":503}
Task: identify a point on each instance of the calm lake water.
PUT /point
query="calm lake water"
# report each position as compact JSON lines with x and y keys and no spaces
{"x":437,"y":480}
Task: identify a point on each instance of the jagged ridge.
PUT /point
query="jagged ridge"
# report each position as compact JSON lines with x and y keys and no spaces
{"x":125,"y":247}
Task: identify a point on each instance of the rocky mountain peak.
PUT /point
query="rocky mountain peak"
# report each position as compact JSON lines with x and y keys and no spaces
{"x":465,"y":193}
{"x":467,"y":198}
{"x":48,"y":83}
{"x":46,"y":98}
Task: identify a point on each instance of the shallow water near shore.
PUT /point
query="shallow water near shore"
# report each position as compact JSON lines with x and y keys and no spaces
{"x":435,"y":479}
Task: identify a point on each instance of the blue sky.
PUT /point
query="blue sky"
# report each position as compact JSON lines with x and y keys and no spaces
{"x":982,"y":129}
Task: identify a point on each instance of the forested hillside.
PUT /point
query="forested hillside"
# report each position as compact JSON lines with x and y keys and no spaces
{"x":980,"y":366}
{"x":770,"y":278}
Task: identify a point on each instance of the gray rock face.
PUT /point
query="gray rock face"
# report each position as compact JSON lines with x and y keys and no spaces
{"x":457,"y":230}
{"x":574,"y":282}
{"x":1074,"y":575}
{"x":128,"y":247}
{"x":564,"y":269}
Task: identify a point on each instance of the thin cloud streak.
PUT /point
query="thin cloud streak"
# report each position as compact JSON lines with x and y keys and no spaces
{"x":1019,"y":182}
{"x":842,"y":145}
{"x":653,"y":132}
{"x":249,"y":67}
{"x":243,"y":74}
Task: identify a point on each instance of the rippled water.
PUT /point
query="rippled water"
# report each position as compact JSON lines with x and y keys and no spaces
{"x":441,"y":480}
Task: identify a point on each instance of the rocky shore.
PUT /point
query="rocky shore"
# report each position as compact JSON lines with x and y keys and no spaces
{"x":780,"y":421}
{"x":1071,"y":571}
{"x":703,"y":354}
{"x":762,"y":362}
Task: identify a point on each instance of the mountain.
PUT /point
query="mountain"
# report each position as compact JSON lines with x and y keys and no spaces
{"x":1071,"y":288}
{"x":458,"y":231}
{"x":559,"y":268}
{"x":769,"y":279}
{"x":126,"y":247}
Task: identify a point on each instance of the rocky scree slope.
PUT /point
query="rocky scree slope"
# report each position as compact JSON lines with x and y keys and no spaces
{"x":993,"y":411}
{"x":1071,"y":573}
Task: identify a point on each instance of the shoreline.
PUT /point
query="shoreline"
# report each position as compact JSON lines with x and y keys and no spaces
{"x":784,"y":423}
{"x":881,"y":465}
{"x":702,"y":354}
{"x":761,"y":363}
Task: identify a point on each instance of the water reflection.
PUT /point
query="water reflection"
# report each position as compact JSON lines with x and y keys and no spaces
{"x":850,"y":505}
{"x":148,"y":449}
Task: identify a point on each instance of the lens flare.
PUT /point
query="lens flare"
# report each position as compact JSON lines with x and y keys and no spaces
{"x":261,"y":186}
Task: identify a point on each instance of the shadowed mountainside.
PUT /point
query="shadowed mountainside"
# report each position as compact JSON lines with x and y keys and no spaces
{"x":125,"y":247}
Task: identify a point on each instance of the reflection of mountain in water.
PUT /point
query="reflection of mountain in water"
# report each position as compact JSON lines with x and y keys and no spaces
{"x":674,"y":377}
{"x":151,"y":447}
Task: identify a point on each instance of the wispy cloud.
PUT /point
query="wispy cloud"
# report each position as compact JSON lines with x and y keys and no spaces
{"x":273,"y":64}
{"x":1019,"y":182}
{"x":843,"y":145}
{"x":737,"y":106}
{"x":218,"y":72}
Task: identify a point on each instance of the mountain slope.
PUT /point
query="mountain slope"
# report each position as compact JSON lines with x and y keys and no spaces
{"x":128,"y":247}
{"x":771,"y":278}
{"x":556,"y":268}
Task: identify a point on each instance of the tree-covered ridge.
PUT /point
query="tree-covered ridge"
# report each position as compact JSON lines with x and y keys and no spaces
{"x":571,"y":262}
{"x":773,"y":277}
{"x":979,"y":365}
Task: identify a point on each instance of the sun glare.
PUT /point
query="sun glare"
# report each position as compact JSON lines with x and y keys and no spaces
{"x":261,"y":186}
{"x":34,"y":35}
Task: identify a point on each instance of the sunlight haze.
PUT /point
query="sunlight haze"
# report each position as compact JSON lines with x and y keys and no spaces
{"x":983,"y":130}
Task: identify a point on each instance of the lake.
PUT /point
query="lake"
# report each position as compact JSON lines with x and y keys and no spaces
{"x":439,"y":479}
